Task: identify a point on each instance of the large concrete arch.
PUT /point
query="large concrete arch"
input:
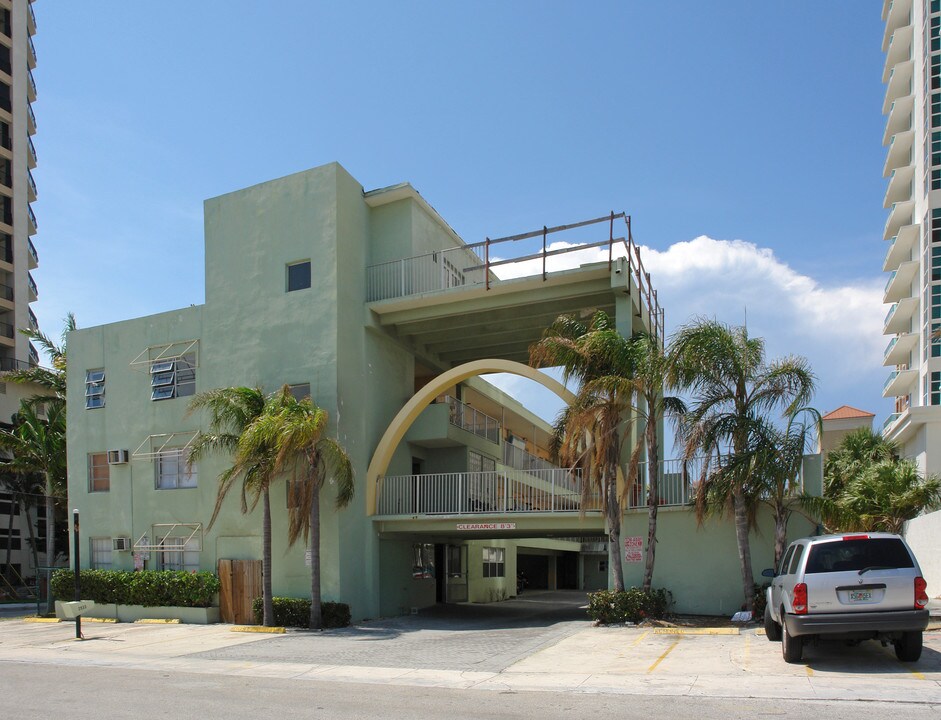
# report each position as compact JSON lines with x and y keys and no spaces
{"x":412,"y":409}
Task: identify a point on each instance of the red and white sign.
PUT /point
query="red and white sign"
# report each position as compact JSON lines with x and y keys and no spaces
{"x":634,"y":549}
{"x":486,"y":526}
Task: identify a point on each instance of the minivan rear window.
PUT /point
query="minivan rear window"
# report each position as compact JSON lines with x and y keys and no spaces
{"x":846,"y":555}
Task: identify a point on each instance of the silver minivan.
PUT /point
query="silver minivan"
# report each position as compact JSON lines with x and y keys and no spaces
{"x":856,"y":586}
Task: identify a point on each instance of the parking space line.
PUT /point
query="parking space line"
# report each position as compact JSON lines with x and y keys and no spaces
{"x":696,"y":631}
{"x":641,"y":637}
{"x":810,"y":672}
{"x":747,"y":651}
{"x":665,"y":653}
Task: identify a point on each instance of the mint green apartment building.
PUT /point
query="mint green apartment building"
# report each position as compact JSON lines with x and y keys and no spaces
{"x":372,"y":304}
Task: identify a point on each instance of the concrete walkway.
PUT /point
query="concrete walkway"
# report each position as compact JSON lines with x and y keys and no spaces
{"x":531,"y":644}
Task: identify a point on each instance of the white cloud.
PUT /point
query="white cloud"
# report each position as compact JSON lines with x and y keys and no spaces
{"x":837,"y":326}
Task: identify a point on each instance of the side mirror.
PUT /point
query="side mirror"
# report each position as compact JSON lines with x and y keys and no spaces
{"x":768,"y":572}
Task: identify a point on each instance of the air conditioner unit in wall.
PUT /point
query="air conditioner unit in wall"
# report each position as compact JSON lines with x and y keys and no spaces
{"x":121,"y":544}
{"x":117,"y":457}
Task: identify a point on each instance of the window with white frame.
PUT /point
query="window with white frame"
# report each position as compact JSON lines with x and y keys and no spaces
{"x":173,"y":378}
{"x":94,"y":388}
{"x":178,"y":553}
{"x":99,"y":472}
{"x":494,"y":562}
{"x":100,"y":553}
{"x":172,"y":470}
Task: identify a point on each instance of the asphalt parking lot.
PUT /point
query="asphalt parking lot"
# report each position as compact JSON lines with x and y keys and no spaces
{"x":538,"y":642}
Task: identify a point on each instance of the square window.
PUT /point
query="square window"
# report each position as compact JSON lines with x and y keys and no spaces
{"x":299,"y":276}
{"x":178,"y":554}
{"x":99,"y":472}
{"x":173,"y":378}
{"x":172,"y":470}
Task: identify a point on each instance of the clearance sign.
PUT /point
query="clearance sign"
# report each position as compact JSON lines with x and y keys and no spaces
{"x":486,"y":526}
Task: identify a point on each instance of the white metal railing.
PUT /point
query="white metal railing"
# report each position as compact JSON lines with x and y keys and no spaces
{"x":497,"y":492}
{"x":439,"y":270}
{"x":471,"y":419}
{"x":520,"y":459}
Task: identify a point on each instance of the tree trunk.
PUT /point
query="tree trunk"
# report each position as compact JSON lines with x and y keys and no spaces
{"x":613,"y":521}
{"x":32,"y":536}
{"x":780,"y":535}
{"x":6,"y":568}
{"x":653,"y":494}
{"x":316,"y":605}
{"x":267,"y":603}
{"x":744,"y":551}
{"x":50,"y":542}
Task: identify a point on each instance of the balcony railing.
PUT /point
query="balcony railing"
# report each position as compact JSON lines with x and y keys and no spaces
{"x":32,"y":150}
{"x":888,"y":348}
{"x":32,"y":284}
{"x":33,"y":355}
{"x":519,"y":459}
{"x":32,"y":250}
{"x":471,"y":419}
{"x":32,"y":19}
{"x":32,"y":82}
{"x":32,"y":217}
{"x":7,"y":330}
{"x":481,"y":493}
{"x":32,"y":183}
{"x":32,"y":116}
{"x":8,"y":364}
{"x":890,"y":421}
{"x":888,"y":315}
{"x":889,"y":281}
{"x":6,"y":292}
{"x":475,"y":264}
{"x":889,"y":380}
{"x":33,"y":322}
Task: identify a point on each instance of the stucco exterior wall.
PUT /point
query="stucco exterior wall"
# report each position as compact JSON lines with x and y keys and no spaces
{"x":923,"y":535}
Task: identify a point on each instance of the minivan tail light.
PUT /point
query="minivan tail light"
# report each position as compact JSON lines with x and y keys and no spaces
{"x":799,"y":599}
{"x":921,"y":597}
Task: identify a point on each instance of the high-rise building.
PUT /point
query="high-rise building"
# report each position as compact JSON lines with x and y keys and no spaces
{"x":912,"y":44}
{"x":18,"y":257}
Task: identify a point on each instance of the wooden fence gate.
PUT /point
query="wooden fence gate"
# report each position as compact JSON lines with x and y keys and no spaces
{"x":240,"y":582}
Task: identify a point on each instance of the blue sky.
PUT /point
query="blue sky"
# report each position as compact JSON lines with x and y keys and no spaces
{"x":755,"y":127}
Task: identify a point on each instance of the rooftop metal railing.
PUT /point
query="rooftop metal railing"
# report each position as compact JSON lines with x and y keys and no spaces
{"x":474,"y":264}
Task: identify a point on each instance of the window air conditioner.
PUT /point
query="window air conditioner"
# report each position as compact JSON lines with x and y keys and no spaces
{"x":121,"y":544}
{"x":117,"y":457}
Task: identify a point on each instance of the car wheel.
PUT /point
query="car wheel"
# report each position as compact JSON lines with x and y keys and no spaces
{"x":908,"y":647}
{"x":792,"y":648}
{"x":772,"y":629}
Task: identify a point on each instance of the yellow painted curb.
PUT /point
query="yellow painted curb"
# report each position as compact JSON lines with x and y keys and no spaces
{"x":759,"y":631}
{"x":257,"y":629}
{"x":99,"y":620}
{"x":41,"y":620}
{"x":157,"y":621}
{"x":696,"y":631}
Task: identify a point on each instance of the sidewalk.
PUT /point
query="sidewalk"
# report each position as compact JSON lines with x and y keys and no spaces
{"x":586,"y":660}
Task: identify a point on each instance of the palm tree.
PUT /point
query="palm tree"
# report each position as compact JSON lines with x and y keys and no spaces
{"x":231,"y":413}
{"x":295,"y":430}
{"x":37,"y":446}
{"x":868,"y":488}
{"x":24,"y":487}
{"x":651,"y":373}
{"x":732,"y":385}
{"x":591,"y":431}
{"x":51,"y":380}
{"x":773,"y":462}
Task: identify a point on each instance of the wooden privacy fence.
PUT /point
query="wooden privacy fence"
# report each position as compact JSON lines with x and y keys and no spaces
{"x":240,"y":583}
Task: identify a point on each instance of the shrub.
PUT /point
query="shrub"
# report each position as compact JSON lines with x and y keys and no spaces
{"x":150,"y":588}
{"x":633,"y":605}
{"x":759,"y":601}
{"x":295,"y":612}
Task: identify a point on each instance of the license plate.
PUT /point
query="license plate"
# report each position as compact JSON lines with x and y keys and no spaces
{"x":860,"y":595}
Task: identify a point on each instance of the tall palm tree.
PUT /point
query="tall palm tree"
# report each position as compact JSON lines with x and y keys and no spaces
{"x":37,"y":445}
{"x":25,"y":487}
{"x":856,"y":452}
{"x":295,"y":430}
{"x":592,"y":430}
{"x":651,"y":370}
{"x":232,"y":411}
{"x":732,"y":385}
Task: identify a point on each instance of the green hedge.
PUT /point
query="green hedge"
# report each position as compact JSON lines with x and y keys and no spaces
{"x":295,"y":612}
{"x":150,"y":588}
{"x":632,"y":605}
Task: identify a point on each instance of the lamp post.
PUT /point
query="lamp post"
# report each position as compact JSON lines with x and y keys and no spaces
{"x":78,"y":572}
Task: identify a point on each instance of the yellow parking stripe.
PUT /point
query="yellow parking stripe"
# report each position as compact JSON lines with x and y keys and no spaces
{"x":665,"y":653}
{"x":641,"y":637}
{"x":810,"y":672}
{"x":696,"y":631}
